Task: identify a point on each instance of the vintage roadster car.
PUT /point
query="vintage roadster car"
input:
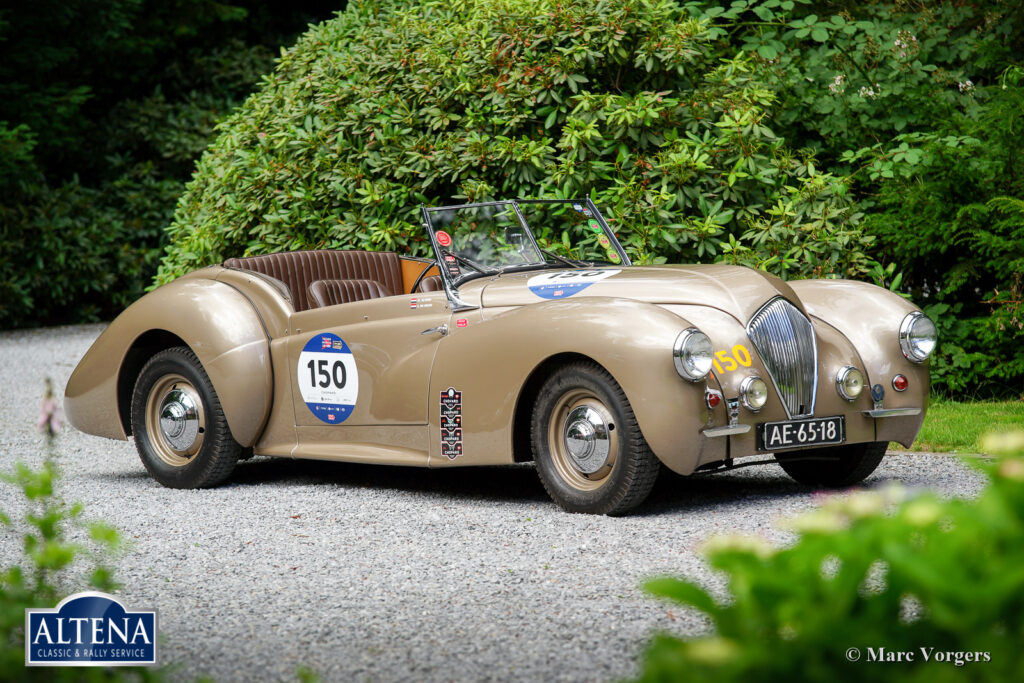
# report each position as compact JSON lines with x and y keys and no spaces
{"x":530,"y":336}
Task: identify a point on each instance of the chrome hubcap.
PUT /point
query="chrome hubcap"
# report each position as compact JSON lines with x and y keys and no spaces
{"x":179,"y":420}
{"x":585,"y":435}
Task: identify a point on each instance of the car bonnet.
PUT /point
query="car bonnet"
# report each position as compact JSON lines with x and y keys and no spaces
{"x":736,"y":290}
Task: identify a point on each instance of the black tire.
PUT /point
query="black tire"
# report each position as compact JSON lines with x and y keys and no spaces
{"x":173,"y":384}
{"x":839,"y":466}
{"x":624,"y":476}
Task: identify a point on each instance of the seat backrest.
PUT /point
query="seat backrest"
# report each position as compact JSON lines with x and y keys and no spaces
{"x":334,"y":292}
{"x":431,"y":284}
{"x":299,"y":269}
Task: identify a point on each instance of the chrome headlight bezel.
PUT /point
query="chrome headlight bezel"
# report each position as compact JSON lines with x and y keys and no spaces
{"x":914,"y":331}
{"x":842,"y":376}
{"x":692,"y":354}
{"x":745,"y":393}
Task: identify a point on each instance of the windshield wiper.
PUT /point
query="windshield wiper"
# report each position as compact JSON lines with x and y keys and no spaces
{"x":478,"y":267}
{"x":569,"y":261}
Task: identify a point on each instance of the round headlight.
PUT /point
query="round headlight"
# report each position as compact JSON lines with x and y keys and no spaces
{"x":849,"y":382}
{"x":692,"y":354}
{"x":917,"y":337}
{"x":754,"y":393}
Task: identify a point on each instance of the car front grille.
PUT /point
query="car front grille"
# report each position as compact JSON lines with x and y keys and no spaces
{"x":784,"y":338}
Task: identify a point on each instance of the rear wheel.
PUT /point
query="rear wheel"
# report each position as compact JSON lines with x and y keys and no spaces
{"x":587,"y":445}
{"x":836,"y":466}
{"x":180,"y":430}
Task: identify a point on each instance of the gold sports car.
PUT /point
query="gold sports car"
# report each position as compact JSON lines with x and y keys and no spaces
{"x":530,"y":336}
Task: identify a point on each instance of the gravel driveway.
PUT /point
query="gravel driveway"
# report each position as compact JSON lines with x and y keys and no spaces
{"x":382,"y":574}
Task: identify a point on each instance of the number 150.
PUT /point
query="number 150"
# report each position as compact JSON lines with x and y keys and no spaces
{"x":740,"y":356}
{"x":336,"y":374}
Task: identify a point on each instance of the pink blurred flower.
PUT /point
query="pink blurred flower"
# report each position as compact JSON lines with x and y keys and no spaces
{"x":49,"y":422}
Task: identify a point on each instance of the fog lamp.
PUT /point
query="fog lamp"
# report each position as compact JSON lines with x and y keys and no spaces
{"x":754,"y":393}
{"x":849,"y":382}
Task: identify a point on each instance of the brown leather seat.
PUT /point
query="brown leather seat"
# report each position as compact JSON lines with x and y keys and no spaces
{"x":299,"y":269}
{"x":431,"y":284}
{"x":334,"y":292}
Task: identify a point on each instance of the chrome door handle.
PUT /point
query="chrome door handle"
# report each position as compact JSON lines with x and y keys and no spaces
{"x":443,"y":329}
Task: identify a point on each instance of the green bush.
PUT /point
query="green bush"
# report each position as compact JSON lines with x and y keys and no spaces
{"x":921,"y":104}
{"x":74,"y":253}
{"x":950,"y":206}
{"x":929,"y":577}
{"x":78,"y":252}
{"x":104,"y":106}
{"x":851,"y":74}
{"x":393,"y":104}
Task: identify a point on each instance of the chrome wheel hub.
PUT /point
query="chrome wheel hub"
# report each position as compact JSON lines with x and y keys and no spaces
{"x":585,"y":435}
{"x":179,"y":420}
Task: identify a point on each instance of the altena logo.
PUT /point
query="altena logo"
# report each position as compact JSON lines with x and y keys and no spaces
{"x":89,"y":629}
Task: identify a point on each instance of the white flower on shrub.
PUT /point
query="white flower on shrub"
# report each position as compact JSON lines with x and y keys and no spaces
{"x":905,"y":42}
{"x":869,"y":92}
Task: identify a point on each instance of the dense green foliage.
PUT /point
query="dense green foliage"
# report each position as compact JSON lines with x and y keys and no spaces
{"x":956,"y":218}
{"x":936,"y":578}
{"x":395,"y":104}
{"x":104,"y":106}
{"x":920,"y":105}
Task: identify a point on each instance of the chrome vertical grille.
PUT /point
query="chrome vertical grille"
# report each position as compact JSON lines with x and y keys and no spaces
{"x":784,"y":338}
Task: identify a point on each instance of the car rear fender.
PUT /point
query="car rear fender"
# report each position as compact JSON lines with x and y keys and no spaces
{"x":213,"y":319}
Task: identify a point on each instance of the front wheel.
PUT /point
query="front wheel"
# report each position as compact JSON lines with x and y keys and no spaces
{"x":587,"y":445}
{"x":835,"y":466}
{"x":180,"y":430}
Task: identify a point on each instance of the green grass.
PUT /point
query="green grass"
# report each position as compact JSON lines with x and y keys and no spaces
{"x":957,"y":427}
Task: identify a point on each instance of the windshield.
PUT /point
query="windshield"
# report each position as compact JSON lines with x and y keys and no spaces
{"x":571,"y":229}
{"x":495,"y":237}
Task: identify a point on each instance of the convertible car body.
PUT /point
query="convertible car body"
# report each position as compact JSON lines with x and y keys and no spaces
{"x":530,"y":336}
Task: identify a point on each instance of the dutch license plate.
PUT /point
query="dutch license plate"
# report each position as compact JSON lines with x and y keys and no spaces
{"x":812,"y":431}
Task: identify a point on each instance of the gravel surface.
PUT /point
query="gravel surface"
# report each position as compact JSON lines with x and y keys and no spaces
{"x":375,"y":573}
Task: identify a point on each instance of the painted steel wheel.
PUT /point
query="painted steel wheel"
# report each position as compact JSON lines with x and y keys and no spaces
{"x":180,"y":430}
{"x":589,"y":451}
{"x":835,"y":466}
{"x":175,"y":420}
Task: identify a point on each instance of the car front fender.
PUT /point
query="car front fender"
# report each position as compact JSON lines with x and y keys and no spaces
{"x":869,"y":317}
{"x":490,"y":355}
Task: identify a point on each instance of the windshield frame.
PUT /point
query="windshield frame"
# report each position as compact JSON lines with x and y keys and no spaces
{"x":452,"y":283}
{"x":609,"y":233}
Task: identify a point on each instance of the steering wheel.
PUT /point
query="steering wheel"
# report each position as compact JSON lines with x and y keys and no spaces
{"x":423,"y":273}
